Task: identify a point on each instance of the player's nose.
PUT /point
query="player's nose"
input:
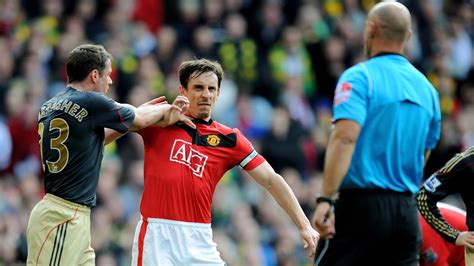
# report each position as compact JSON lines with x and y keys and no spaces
{"x":206,"y":93}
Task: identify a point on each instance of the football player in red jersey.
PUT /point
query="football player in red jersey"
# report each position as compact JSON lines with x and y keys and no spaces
{"x":182,"y":168}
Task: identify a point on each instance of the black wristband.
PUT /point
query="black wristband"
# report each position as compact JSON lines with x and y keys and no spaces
{"x":325,"y":199}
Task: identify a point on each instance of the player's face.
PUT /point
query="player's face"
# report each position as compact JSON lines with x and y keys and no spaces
{"x":202,"y":93}
{"x":105,"y":80}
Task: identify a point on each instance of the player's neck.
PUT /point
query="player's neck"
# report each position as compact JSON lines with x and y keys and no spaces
{"x":196,"y":117}
{"x":200,"y":120}
{"x":205,"y":121}
{"x":80,"y":86}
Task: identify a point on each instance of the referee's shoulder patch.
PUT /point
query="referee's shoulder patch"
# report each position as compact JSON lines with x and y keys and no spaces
{"x":343,"y":92}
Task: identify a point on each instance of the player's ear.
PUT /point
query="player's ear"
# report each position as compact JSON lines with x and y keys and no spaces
{"x":182,"y":90}
{"x":94,"y":75}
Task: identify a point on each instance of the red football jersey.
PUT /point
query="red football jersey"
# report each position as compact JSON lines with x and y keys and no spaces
{"x":184,"y":165}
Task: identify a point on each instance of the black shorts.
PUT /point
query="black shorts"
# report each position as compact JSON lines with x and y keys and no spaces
{"x":374,"y":227}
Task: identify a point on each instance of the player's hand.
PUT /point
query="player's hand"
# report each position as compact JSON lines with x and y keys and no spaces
{"x":158,"y":100}
{"x":176,"y":113}
{"x":182,"y":102}
{"x":310,"y":238}
{"x":466,"y":239}
{"x":324,"y":221}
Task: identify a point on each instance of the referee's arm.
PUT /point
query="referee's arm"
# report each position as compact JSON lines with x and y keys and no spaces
{"x":339,"y":155}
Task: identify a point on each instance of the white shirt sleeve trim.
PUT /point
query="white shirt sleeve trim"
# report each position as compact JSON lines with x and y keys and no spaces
{"x":247,"y":159}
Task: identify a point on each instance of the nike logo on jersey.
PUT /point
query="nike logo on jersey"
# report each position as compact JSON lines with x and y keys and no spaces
{"x":183,"y":153}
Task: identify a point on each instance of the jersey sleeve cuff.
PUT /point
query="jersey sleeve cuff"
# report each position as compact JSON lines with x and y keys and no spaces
{"x":251,"y":161}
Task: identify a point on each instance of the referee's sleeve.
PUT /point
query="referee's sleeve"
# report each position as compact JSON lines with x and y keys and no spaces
{"x":351,"y":96}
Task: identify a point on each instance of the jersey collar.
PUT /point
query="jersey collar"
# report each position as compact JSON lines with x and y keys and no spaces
{"x":201,"y":121}
{"x":386,"y":53}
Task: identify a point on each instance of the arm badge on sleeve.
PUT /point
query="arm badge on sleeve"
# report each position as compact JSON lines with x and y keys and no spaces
{"x":432,"y":183}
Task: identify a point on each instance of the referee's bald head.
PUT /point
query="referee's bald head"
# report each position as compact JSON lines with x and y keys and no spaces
{"x":393,"y":21}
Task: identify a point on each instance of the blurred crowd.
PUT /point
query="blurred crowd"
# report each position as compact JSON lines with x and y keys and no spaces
{"x":281,"y":60}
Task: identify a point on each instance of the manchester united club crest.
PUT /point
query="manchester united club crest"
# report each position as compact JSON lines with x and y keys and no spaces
{"x":213,"y":140}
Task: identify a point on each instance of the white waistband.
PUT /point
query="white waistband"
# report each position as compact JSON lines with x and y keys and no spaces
{"x":176,"y":223}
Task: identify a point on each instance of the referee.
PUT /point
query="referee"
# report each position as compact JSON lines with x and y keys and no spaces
{"x":387,"y":119}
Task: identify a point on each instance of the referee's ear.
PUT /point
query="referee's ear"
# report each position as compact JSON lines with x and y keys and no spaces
{"x":409,"y":34}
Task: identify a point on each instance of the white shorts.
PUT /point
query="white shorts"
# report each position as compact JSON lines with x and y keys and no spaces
{"x":167,"y":242}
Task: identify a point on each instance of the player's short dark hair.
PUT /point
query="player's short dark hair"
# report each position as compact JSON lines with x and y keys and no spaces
{"x":85,"y":58}
{"x":195,"y":68}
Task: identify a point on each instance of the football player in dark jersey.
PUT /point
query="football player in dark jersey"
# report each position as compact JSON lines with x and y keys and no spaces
{"x":71,"y":138}
{"x":456,"y":176}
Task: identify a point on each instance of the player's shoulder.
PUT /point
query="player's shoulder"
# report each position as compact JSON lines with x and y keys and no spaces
{"x":230,"y":132}
{"x":96,"y":96}
{"x":50,"y":101}
{"x":100,"y":100}
{"x":82,"y":98}
{"x":466,"y":157}
{"x":224,"y":129}
{"x":469,"y":151}
{"x":66,"y":95}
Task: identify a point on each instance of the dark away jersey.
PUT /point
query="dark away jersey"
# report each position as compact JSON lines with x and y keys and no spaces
{"x":71,"y":137}
{"x":184,"y":165}
{"x":456,"y":176}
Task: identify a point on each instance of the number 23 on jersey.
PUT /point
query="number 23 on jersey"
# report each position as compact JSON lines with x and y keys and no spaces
{"x":56,"y":143}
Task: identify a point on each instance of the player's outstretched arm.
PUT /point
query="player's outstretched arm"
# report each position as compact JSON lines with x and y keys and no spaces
{"x":281,"y":191}
{"x":159,"y":112}
{"x":155,"y":112}
{"x":148,"y":115}
{"x":111,"y":135}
